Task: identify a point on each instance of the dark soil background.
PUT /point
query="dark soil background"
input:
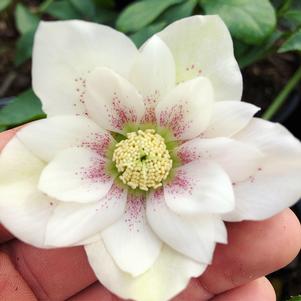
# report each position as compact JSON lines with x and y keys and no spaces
{"x":262,"y":82}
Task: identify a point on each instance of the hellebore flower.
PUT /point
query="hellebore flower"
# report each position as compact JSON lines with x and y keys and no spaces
{"x":144,"y":153}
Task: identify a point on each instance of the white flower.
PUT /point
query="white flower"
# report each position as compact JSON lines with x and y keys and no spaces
{"x":150,"y":208}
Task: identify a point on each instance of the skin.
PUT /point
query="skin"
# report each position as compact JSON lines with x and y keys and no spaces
{"x":255,"y":249}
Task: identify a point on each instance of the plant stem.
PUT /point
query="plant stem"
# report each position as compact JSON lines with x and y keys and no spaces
{"x":280,"y":99}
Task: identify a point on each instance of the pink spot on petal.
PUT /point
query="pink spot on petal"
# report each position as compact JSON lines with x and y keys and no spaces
{"x":182,"y":183}
{"x":119,"y":114}
{"x":174,"y":119}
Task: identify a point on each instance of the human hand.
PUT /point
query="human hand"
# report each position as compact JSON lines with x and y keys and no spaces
{"x":254,"y":250}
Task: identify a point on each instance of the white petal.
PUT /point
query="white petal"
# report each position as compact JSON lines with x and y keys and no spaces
{"x":112,"y":101}
{"x":17,"y":163}
{"x":271,"y":138}
{"x":199,"y":187}
{"x":71,"y":223}
{"x":130,"y":241}
{"x":63,"y":54}
{"x":76,"y":175}
{"x":46,"y":137}
{"x":203,"y":45}
{"x":187,"y":109}
{"x":153,"y":73}
{"x":238,"y":159}
{"x":168,"y":276}
{"x":228,"y":118}
{"x":191,"y":236}
{"x":23,"y":210}
{"x":275,"y":187}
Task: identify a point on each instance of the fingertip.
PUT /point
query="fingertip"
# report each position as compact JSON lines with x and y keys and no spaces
{"x":255,"y":249}
{"x":259,"y":290}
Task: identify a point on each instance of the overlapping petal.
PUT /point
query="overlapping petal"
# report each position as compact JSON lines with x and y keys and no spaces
{"x":166,"y":277}
{"x":23,"y":209}
{"x":202,"y":45}
{"x":276,"y":184}
{"x":47,"y":137}
{"x":273,"y":188}
{"x":228,"y":118}
{"x":63,"y":55}
{"x":199,"y":187}
{"x":76,"y":175}
{"x":195,"y":237}
{"x":72,"y":223}
{"x":271,"y":138}
{"x":112,"y":101}
{"x":239,"y":160}
{"x":130,"y":241}
{"x":187,"y":109}
{"x":153,"y":74}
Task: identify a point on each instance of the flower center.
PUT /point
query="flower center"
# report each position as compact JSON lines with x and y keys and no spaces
{"x":142,"y":159}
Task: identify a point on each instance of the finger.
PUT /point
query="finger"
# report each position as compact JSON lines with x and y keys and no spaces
{"x":259,"y":290}
{"x":94,"y":292}
{"x":98,"y":292}
{"x":4,"y":235}
{"x":51,"y":274}
{"x":255,"y":249}
{"x":12,"y":285}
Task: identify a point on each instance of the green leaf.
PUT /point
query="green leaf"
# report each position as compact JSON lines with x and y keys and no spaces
{"x":250,"y":21}
{"x":24,"y":47}
{"x":86,"y":8}
{"x":24,"y":108}
{"x":2,"y":128}
{"x":63,"y":10}
{"x":141,"y":13}
{"x":142,"y":35}
{"x":292,"y":43}
{"x":296,"y":298}
{"x":258,"y":52}
{"x":105,"y":16}
{"x":4,"y":4}
{"x":293,"y":16}
{"x":179,"y":11}
{"x":25,"y":20}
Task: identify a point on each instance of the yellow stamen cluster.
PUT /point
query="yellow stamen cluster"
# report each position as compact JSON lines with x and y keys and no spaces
{"x":142,"y":159}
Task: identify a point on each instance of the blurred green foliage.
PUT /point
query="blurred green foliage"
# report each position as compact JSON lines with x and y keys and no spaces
{"x":258,"y":27}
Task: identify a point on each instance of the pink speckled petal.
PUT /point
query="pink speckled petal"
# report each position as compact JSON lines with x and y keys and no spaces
{"x":199,"y":187}
{"x":194,"y":237}
{"x":153,"y":74}
{"x":187,"y":109}
{"x":239,"y":160}
{"x":47,"y":137}
{"x":64,"y":54}
{"x":130,"y":241}
{"x":202,"y":45}
{"x":112,"y":101}
{"x":71,"y":223}
{"x":273,"y":188}
{"x":76,"y":175}
{"x":228,"y":118}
